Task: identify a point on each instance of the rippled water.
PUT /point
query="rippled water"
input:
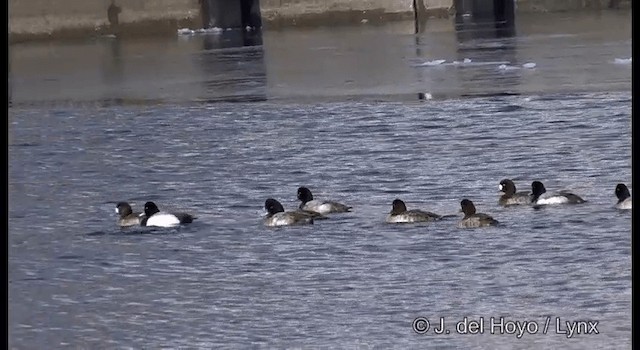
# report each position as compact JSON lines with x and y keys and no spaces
{"x":351,"y":281}
{"x":77,"y":280}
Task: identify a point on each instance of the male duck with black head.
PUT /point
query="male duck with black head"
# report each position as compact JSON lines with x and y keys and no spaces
{"x":155,"y":217}
{"x":319,"y":206}
{"x":541,"y":197}
{"x":624,"y":197}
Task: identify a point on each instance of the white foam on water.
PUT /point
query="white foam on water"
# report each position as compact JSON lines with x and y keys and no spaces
{"x":622,"y":60}
{"x":507,"y":67}
{"x":465,"y":61}
{"x":432,"y":63}
{"x":487,"y":63}
{"x":187,"y":31}
{"x":469,"y":62}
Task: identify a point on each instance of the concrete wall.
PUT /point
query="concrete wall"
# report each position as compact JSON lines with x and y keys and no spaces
{"x":566,"y":5}
{"x":44,"y":19}
{"x":59,"y":18}
{"x":327,"y":12}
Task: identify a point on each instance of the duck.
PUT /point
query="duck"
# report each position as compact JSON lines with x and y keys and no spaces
{"x":624,"y":197}
{"x":312,"y":214}
{"x":510,"y":196}
{"x":400,"y":214}
{"x":155,"y":217}
{"x":127,"y":217}
{"x":319,"y":206}
{"x":277,"y":216}
{"x":473,"y":219}
{"x":541,"y":197}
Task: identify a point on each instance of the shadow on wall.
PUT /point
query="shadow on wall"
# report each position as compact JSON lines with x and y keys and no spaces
{"x":230,"y":13}
{"x":614,"y":4}
{"x":113,"y":11}
{"x":486,"y":14}
{"x":422,"y":14}
{"x":152,"y":26}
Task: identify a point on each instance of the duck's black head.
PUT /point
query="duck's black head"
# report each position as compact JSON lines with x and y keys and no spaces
{"x":398,"y":207}
{"x":622,"y":192}
{"x":123,"y":209}
{"x":150,"y":208}
{"x":537,"y":189}
{"x":273,"y":206}
{"x":467,"y":207}
{"x":304,"y":194}
{"x":508,"y":187}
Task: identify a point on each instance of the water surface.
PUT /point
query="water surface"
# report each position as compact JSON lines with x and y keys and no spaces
{"x":80,"y":145}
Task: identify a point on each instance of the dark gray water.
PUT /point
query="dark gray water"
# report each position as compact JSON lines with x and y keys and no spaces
{"x":78,"y":281}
